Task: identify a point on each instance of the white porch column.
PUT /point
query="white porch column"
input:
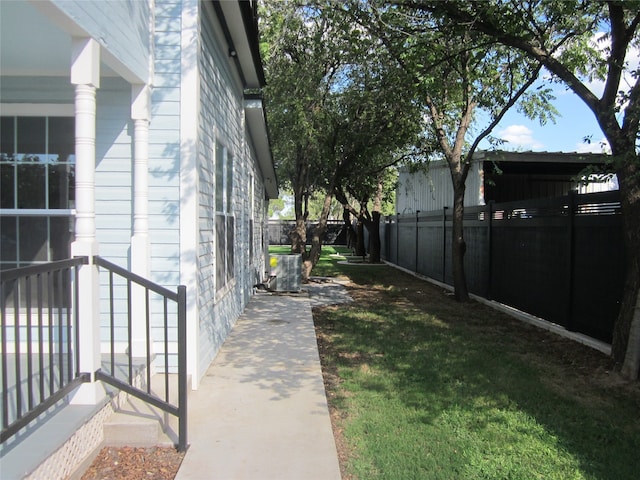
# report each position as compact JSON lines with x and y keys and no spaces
{"x":85,"y":75}
{"x":140,"y":249}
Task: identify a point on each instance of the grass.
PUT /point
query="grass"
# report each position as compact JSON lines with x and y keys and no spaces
{"x":327,"y":266}
{"x":279,"y":249}
{"x":423,"y":387}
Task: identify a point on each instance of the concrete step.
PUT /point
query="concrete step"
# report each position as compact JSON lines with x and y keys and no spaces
{"x":136,"y":423}
{"x":133,"y":431}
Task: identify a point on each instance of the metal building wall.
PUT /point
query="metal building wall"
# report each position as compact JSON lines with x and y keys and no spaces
{"x":432,"y":189}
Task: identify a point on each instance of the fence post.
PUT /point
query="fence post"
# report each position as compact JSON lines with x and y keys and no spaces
{"x":444,"y":244}
{"x":490,"y":250}
{"x":417,"y":241}
{"x":398,"y":238}
{"x":387,"y":239}
{"x":571,"y":200}
{"x":387,"y":233}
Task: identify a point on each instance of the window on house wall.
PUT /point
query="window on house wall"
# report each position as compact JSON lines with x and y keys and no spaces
{"x":37,"y":189}
{"x":225,"y":221}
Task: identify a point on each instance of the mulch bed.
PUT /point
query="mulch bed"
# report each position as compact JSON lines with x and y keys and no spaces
{"x":135,"y":463}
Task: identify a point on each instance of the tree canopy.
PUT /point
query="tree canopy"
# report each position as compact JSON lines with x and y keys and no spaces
{"x":356,"y":86}
{"x":337,"y":110}
{"x":592,"y":48}
{"x":464,"y":81}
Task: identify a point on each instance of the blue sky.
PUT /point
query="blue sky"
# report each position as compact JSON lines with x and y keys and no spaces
{"x":574,"y":123}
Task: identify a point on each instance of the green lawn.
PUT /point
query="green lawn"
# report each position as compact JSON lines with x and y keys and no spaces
{"x":427,"y":388}
{"x":280,"y":249}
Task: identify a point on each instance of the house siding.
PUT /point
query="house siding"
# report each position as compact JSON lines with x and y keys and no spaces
{"x":220,"y":121}
{"x":113,"y":189}
{"x":259,"y":243}
{"x":181,"y":159}
{"x":164,"y":146}
{"x":120,"y":26}
{"x":113,"y":194}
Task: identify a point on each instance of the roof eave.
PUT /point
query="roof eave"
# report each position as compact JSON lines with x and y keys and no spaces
{"x":257,"y":125}
{"x":541,"y":157}
{"x":239,"y":19}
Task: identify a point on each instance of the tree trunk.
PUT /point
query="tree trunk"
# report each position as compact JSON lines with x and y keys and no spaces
{"x":459,"y":246}
{"x":360,"y":248}
{"x":374,"y":226}
{"x":311,"y":258}
{"x":298,"y":236}
{"x":374,"y":238}
{"x":316,"y":249}
{"x":631,"y":366}
{"x":351,"y":234}
{"x":625,"y":348}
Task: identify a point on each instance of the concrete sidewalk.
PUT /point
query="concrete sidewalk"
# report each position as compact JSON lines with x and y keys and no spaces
{"x":260,"y":411}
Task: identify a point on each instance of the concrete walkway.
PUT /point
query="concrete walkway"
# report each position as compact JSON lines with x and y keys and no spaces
{"x":260,"y":411}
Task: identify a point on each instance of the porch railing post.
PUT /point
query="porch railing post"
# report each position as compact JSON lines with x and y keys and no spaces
{"x":85,"y":75}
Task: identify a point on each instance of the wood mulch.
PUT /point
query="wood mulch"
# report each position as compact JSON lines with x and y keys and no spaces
{"x":135,"y":463}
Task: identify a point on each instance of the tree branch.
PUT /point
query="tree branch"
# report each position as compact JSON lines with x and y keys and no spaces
{"x":512,"y":101}
{"x":533,"y":47}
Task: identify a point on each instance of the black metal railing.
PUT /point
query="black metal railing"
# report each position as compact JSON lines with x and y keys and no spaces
{"x":40,"y":341}
{"x":164,"y":327}
{"x":39,"y":335}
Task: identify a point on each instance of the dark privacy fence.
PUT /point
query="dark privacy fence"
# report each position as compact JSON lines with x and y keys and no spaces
{"x":561,"y":259}
{"x":279,"y":232}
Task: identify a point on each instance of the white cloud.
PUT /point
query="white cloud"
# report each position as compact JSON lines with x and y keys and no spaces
{"x":520,"y":136}
{"x":599,"y":146}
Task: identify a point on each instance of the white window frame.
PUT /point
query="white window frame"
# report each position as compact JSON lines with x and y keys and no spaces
{"x":37,"y":110}
{"x":225,"y":281}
